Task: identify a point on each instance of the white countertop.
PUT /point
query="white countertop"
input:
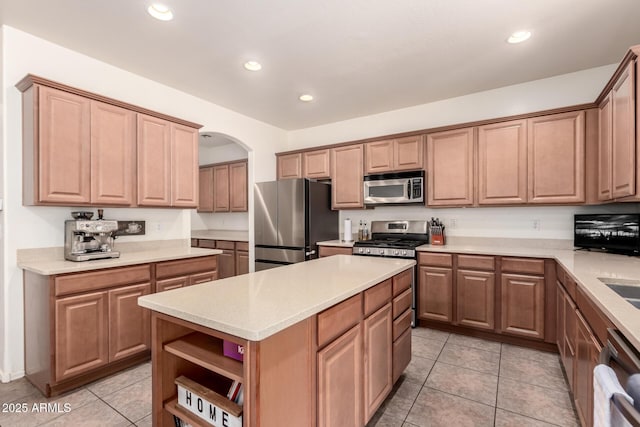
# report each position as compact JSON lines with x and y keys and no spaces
{"x":231,"y":235}
{"x":337,"y":243}
{"x":585,"y":267}
{"x":257,"y":305}
{"x":49,"y":261}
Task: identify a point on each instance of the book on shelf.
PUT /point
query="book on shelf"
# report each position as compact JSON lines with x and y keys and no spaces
{"x":179,"y":422}
{"x":235,"y":393}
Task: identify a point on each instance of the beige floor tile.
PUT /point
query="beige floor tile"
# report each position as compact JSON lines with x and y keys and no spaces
{"x":418,"y":369}
{"x":95,"y":414}
{"x":509,"y":419}
{"x":145,"y":422}
{"x":517,"y":352}
{"x":541,"y":403}
{"x":533,"y":371}
{"x":424,"y":347}
{"x":134,"y":401}
{"x":15,"y":389}
{"x":431,"y":334}
{"x":467,"y":383}
{"x":120,"y":380}
{"x":474,"y":343}
{"x":472,"y":358}
{"x":434,"y":408}
{"x":382,"y":420}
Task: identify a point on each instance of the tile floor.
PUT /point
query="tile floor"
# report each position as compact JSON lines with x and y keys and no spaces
{"x":452,"y":381}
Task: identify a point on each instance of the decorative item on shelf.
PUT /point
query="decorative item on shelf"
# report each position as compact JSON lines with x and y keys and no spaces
{"x":206,"y":404}
{"x":233,"y":350}
{"x":436,"y":231}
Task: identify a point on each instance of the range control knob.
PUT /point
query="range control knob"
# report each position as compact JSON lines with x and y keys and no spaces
{"x":404,"y":252}
{"x":360,"y":250}
{"x":396,"y":252}
{"x":381,"y":251}
{"x":368,"y":250}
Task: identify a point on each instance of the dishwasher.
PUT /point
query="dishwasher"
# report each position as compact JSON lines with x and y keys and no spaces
{"x":625,"y":361}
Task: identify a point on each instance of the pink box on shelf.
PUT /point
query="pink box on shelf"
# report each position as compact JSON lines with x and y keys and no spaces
{"x":233,"y":350}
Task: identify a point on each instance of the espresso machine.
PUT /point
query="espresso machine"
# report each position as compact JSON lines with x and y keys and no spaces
{"x":86,"y":239}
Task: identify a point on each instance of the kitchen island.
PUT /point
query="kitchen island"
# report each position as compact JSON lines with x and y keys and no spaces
{"x":323,"y":342}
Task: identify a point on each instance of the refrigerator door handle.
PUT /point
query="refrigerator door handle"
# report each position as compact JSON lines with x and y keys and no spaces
{"x":313,"y":252}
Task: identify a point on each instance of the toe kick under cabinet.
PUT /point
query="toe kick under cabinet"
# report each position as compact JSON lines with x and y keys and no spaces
{"x":83,"y":326}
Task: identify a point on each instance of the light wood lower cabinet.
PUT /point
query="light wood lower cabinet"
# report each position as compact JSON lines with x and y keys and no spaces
{"x":227,"y":263}
{"x":435,"y":294}
{"x":475,"y":299}
{"x":523,"y":305}
{"x":324,"y":251}
{"x":173,"y":283}
{"x":242,"y":258}
{"x":586,"y":359}
{"x":129,"y":324}
{"x":378,"y":359}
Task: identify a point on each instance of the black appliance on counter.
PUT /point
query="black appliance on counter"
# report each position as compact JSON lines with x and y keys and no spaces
{"x":396,"y":239}
{"x":291,"y":217}
{"x":618,"y":233}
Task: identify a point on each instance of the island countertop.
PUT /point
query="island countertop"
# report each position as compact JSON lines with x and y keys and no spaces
{"x":257,"y":305}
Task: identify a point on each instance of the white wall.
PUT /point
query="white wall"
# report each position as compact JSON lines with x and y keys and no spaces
{"x":560,"y":91}
{"x":28,"y":227}
{"x":220,"y":220}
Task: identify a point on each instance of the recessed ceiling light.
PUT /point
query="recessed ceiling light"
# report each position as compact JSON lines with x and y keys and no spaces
{"x":519,"y":36}
{"x":305,"y":97}
{"x":160,"y":11}
{"x":253,"y":66}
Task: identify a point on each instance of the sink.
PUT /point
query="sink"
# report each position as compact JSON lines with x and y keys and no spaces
{"x":627,"y":289}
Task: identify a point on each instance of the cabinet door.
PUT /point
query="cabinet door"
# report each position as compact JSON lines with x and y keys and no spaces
{"x":205,"y":186}
{"x":340,"y":381}
{"x":173,"y":283}
{"x":204,"y":277}
{"x":113,"y":153}
{"x":64,"y":156}
{"x":378,"y":156}
{"x":221,"y":188}
{"x":289,"y":166}
{"x":560,"y":318}
{"x":81,"y":334}
{"x":378,"y":359}
{"x":604,"y":149}
{"x":401,"y":354}
{"x":238,"y":187}
{"x":347,"y":172}
{"x":556,"y":157}
{"x":226,"y":263}
{"x":324,"y":251}
{"x":502,"y":163}
{"x":623,"y":124}
{"x":435,"y":294}
{"x":129,"y":324}
{"x":316,"y":164}
{"x":450,"y":168}
{"x":242,"y":262}
{"x":523,"y":305}
{"x":570,"y":331}
{"x":408,"y":153}
{"x":184,"y":166}
{"x":154,"y":161}
{"x":476,"y":298}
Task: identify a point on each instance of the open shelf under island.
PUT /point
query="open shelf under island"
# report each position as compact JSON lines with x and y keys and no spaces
{"x":323,"y":342}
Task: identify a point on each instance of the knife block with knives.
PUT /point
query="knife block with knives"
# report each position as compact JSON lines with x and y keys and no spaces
{"x":436,"y":231}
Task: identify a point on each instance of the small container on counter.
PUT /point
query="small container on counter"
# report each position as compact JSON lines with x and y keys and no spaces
{"x":436,"y":231}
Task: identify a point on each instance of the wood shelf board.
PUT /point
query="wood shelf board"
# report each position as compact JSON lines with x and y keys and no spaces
{"x":216,"y":398}
{"x":173,"y":408}
{"x":206,"y":351}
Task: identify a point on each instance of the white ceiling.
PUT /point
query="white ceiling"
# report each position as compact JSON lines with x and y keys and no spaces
{"x":357,"y":57}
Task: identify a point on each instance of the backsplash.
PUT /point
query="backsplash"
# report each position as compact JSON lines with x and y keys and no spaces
{"x":219,"y":221}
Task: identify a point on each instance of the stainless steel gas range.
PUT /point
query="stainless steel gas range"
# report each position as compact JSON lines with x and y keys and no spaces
{"x":396,"y":239}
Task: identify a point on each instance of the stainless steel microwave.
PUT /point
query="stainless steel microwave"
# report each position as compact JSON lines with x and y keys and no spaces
{"x":394,"y":188}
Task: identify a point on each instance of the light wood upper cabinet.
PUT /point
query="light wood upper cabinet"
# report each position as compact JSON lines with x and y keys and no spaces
{"x":113,"y":154}
{"x":154,"y":161}
{"x":57,"y":156}
{"x":205,"y":187}
{"x":316,"y":164}
{"x":604,"y":149}
{"x":347,"y":177}
{"x":502,"y":163}
{"x":394,"y":155}
{"x":623,"y":137}
{"x":450,"y":168}
{"x":556,"y":158}
{"x":221,"y":188}
{"x":289,"y":166}
{"x":184,"y":166}
{"x":238,"y":187}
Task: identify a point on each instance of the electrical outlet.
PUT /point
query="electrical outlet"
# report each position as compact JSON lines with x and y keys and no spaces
{"x":158,"y":226}
{"x":453,"y":223}
{"x":536,"y":224}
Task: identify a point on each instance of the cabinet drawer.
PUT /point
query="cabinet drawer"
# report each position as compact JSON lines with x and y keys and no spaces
{"x":194,"y":243}
{"x":341,"y":317}
{"x":402,"y":281}
{"x":376,"y":297}
{"x":242,"y":246}
{"x":207,"y":276}
{"x":437,"y":260}
{"x":401,"y":324}
{"x":476,"y":262}
{"x":174,"y":283}
{"x":225,"y":244}
{"x":206,"y":243}
{"x":401,"y":303}
{"x":185,"y":266}
{"x":401,"y":354}
{"x":324,"y":251}
{"x":82,"y":282}
{"x":523,"y":265}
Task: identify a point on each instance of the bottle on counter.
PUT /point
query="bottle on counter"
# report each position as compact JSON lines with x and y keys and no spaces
{"x":360,"y":232}
{"x":365,"y":232}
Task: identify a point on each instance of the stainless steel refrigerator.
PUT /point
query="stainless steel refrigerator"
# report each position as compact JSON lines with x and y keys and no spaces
{"x":291,"y":217}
